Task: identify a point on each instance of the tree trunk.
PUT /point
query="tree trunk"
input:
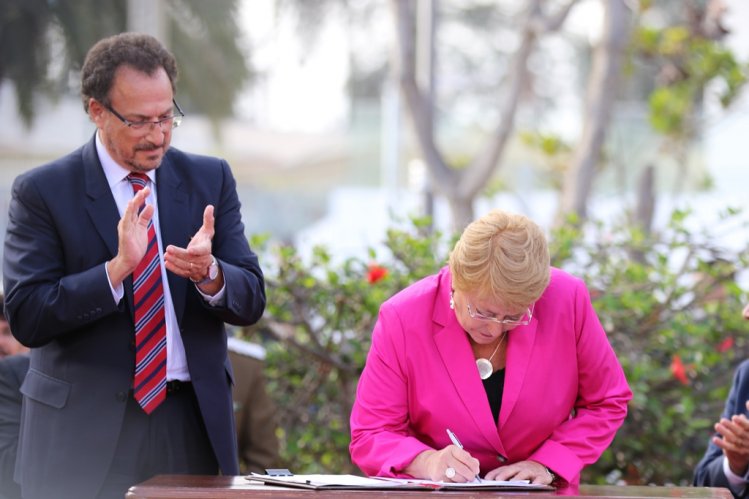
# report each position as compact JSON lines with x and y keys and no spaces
{"x":462,"y":211}
{"x":602,"y":83}
{"x":645,"y":208}
{"x":462,"y":187}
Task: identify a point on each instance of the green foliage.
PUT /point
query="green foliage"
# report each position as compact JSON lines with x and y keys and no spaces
{"x":553,"y":153}
{"x":321,"y":314}
{"x":204,"y":37}
{"x":668,"y":301}
{"x":689,"y":62}
{"x":672,"y":309}
{"x":206,"y":40}
{"x":547,"y":144}
{"x":669,"y":107}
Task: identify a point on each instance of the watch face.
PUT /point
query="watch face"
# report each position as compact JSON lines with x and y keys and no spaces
{"x":213,"y":270}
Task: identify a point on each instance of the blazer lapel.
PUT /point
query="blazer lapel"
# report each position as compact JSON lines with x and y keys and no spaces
{"x":520,"y":343}
{"x":457,"y":356}
{"x":174,"y":221}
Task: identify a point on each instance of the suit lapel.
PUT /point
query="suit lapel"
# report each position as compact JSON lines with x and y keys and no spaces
{"x":100,"y":204}
{"x":101,"y":207}
{"x":174,"y":222}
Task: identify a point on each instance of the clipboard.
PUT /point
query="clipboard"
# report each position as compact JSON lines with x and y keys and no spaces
{"x":353,"y":482}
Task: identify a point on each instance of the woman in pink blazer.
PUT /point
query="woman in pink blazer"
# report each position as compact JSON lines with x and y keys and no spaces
{"x":503,"y":350}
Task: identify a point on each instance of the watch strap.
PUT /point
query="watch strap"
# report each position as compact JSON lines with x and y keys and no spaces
{"x":208,"y":277}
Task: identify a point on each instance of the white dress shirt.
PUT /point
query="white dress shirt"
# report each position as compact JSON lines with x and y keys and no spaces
{"x":122,"y":191}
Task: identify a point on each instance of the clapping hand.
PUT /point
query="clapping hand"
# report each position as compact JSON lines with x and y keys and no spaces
{"x":132,"y":237}
{"x":734,"y":440}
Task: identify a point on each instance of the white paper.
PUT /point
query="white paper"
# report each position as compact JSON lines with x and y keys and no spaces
{"x":331,"y":480}
{"x":322,"y":481}
{"x":475,"y":483}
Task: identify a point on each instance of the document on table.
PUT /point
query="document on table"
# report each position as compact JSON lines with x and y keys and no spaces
{"x":337,"y":482}
{"x":478,"y":484}
{"x":353,"y":482}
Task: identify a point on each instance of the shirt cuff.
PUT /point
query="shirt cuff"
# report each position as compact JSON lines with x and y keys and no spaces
{"x":736,"y":483}
{"x":217,"y":300}
{"x":118,"y":292}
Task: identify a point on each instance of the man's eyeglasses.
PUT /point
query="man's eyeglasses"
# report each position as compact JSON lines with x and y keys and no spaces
{"x":523,"y":320}
{"x":172,"y":121}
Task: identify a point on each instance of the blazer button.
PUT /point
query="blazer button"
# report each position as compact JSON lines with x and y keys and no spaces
{"x":121,"y":396}
{"x":501,"y":458}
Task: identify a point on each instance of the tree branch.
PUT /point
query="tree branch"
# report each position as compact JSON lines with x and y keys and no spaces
{"x":284,"y":332}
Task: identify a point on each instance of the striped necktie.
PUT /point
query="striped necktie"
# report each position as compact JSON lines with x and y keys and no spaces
{"x":149,"y":383}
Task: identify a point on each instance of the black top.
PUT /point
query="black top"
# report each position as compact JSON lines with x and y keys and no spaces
{"x":494,"y":386}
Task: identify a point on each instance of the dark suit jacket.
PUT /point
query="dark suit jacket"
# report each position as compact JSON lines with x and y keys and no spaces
{"x":709,"y":471}
{"x":62,"y":229}
{"x":12,"y":371}
{"x":255,"y":414}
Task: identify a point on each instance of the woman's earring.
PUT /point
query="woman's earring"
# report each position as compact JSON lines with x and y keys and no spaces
{"x":452,"y":301}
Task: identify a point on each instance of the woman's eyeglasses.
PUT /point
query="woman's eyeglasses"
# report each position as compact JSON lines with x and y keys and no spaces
{"x":523,"y":320}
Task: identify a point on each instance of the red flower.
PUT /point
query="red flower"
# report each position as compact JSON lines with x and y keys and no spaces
{"x":376,"y":273}
{"x":678,"y":370}
{"x":725,"y":345}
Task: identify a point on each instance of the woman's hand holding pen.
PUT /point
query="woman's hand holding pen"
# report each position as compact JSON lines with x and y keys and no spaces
{"x":533,"y":471}
{"x":436,"y":465}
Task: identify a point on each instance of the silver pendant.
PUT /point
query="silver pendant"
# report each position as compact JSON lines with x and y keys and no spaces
{"x":485,"y":368}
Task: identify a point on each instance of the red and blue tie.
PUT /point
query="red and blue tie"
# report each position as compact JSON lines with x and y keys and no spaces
{"x":149,"y":383}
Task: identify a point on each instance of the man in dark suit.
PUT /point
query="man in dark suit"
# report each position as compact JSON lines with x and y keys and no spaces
{"x":12,"y":371}
{"x":726,"y":461}
{"x":92,"y":288}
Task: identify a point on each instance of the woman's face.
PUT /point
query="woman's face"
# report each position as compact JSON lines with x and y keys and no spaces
{"x":486,"y":319}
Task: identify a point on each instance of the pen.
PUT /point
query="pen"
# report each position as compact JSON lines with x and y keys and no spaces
{"x":456,"y":442}
{"x":453,"y":438}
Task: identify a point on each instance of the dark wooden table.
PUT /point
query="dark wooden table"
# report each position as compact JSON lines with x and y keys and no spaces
{"x":227,"y":487}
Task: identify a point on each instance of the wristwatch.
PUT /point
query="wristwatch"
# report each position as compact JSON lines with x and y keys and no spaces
{"x":551,"y":474}
{"x":212,"y":273}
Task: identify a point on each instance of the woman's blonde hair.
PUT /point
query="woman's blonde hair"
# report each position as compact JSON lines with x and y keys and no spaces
{"x":502,"y":256}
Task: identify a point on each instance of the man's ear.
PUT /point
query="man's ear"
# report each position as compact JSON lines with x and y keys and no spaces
{"x":96,"y":112}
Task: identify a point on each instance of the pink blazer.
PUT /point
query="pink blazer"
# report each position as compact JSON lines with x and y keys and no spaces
{"x":565,"y":393}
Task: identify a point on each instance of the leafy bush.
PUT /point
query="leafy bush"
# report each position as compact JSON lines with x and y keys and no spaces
{"x":671,"y":307}
{"x":317,"y":327}
{"x":669,"y":302}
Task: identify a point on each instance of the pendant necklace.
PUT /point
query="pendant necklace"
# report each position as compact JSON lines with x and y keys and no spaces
{"x":485,"y":365}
